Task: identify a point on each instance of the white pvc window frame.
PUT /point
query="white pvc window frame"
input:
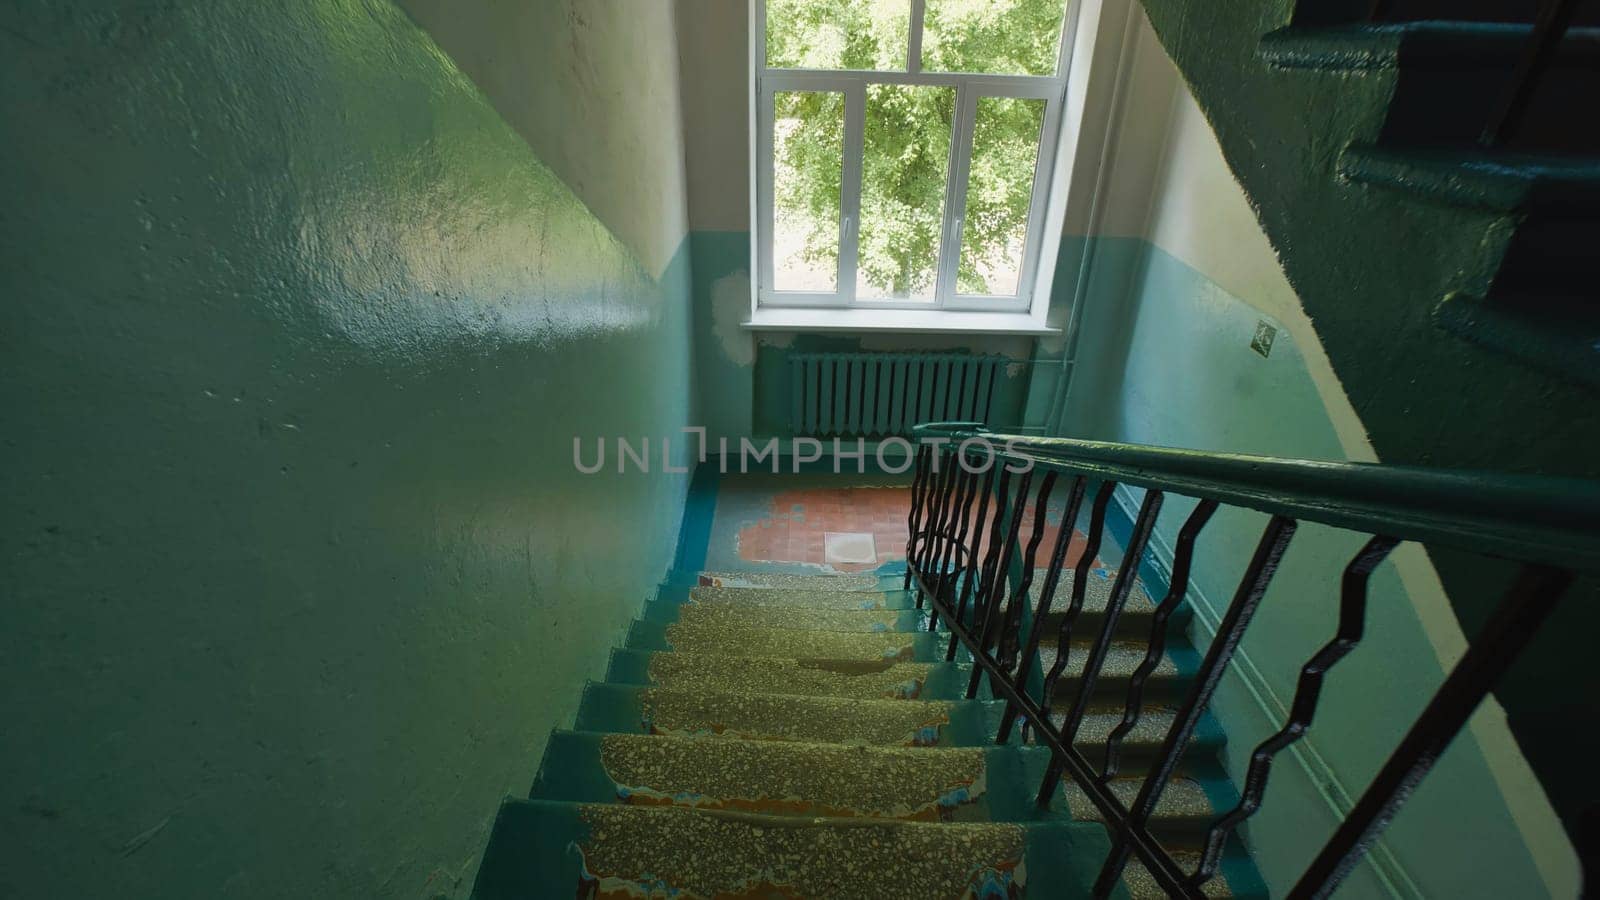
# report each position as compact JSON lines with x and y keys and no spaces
{"x":1034,"y":282}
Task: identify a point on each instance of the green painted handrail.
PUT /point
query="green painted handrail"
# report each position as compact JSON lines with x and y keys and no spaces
{"x":1530,"y":518}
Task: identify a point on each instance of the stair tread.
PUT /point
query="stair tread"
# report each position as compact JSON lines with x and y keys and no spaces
{"x":1502,"y":181}
{"x":745,"y":639}
{"x":760,"y":716}
{"x":1097,"y":589}
{"x":1450,"y":44}
{"x":666,"y":850}
{"x":809,"y":619}
{"x":864,"y":581}
{"x":819,"y":779}
{"x":1190,"y":800}
{"x":1236,"y":878}
{"x":864,"y":680}
{"x":1556,"y":334}
{"x":774,"y":777}
{"x":1123,"y":658}
{"x":801,"y":599}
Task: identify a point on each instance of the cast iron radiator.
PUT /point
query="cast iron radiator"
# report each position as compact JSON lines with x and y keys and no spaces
{"x":883,"y":394}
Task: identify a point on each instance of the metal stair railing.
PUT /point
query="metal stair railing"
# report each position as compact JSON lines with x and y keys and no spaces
{"x":956,"y":556}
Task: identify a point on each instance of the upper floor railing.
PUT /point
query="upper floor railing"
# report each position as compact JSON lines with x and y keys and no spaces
{"x":970,"y":497}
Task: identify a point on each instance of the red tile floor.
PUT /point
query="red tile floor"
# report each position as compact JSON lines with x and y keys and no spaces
{"x":797,"y":521}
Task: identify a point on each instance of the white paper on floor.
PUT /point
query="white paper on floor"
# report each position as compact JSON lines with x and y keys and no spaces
{"x":848,"y":547}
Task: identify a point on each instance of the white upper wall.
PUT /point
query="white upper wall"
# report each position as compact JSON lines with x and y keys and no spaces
{"x":714,"y":61}
{"x":592,"y":86}
{"x":714,"y":58}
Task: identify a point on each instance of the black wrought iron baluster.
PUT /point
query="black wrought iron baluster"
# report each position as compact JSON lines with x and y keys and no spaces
{"x":919,"y":498}
{"x":972,"y":583}
{"x":925,"y":536}
{"x":1555,"y":16}
{"x":986,"y":577}
{"x":1127,"y":574}
{"x":960,"y":555}
{"x":1352,"y":622}
{"x":1080,"y":584}
{"x":1182,"y":562}
{"x":949,"y":547}
{"x":1252,"y":587}
{"x":997,"y":591}
{"x":1011,"y":624}
{"x":934,"y":539}
{"x":1503,"y":638}
{"x":1052,"y":577}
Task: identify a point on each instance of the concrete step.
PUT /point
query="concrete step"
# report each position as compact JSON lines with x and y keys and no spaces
{"x":782,"y":778}
{"x":813,"y":779}
{"x":650,"y":658}
{"x":743,"y":639}
{"x":791,"y":597}
{"x":544,"y":849}
{"x":1137,"y":612}
{"x":1237,"y":877}
{"x":634,"y":709}
{"x":810,"y":619}
{"x":857,"y":679}
{"x":1556,"y":187}
{"x":1447,"y":77}
{"x":864,"y":581}
{"x":1557,"y":334}
{"x":1169,"y":681}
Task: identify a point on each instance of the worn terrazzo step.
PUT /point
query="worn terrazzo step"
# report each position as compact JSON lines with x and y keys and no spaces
{"x":872,"y":676}
{"x":1237,"y":877}
{"x":863,"y":581}
{"x":739,"y":639}
{"x":788,"y":597}
{"x":1170,"y":680}
{"x":858,"y":679}
{"x":1193,"y":799}
{"x":811,"y":779}
{"x":633,"y":709}
{"x":1137,"y":613}
{"x":809,"y":619}
{"x":785,"y":778}
{"x":544,"y":849}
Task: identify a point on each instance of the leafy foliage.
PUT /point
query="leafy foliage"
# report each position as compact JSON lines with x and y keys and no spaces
{"x":906,"y":142}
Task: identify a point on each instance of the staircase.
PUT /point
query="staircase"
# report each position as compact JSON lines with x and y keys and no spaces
{"x":1448,"y":139}
{"x":1431,"y":182}
{"x":804,"y":736}
{"x":1437,"y":243}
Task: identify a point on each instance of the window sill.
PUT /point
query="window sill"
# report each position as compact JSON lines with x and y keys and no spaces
{"x":901,"y":320}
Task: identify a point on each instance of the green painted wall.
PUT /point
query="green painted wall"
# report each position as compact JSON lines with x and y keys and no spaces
{"x":295,"y":333}
{"x":1369,"y":266}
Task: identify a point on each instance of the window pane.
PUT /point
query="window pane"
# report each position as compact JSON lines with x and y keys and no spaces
{"x":998,"y":37}
{"x":838,"y":34}
{"x":904,"y":173}
{"x":807,"y":156}
{"x":994,"y":230}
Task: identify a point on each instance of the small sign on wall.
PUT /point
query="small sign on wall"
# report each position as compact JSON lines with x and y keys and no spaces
{"x":1266,"y":332}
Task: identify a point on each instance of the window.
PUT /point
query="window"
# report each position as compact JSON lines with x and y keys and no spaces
{"x":904,"y":151}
